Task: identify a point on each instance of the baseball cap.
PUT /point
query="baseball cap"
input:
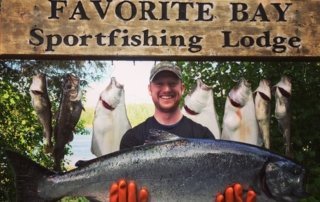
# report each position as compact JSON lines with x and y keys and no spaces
{"x":165,"y":66}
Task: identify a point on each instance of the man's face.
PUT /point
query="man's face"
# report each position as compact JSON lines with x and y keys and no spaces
{"x":166,"y":90}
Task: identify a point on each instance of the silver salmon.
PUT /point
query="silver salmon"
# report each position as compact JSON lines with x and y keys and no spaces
{"x":68,"y":116}
{"x":172,"y":168}
{"x":262,"y":100}
{"x":282,"y":92}
{"x":41,"y":103}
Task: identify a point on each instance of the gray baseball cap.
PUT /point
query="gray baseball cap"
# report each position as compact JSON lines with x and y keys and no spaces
{"x":165,"y":66}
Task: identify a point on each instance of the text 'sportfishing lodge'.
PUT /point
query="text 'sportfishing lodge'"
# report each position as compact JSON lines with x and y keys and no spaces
{"x":211,"y":29}
{"x":164,"y":11}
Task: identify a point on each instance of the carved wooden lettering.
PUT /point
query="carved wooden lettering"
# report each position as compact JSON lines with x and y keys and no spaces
{"x":159,"y":29}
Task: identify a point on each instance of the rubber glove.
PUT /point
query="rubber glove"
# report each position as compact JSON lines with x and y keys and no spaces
{"x":123,"y":192}
{"x":234,"y":194}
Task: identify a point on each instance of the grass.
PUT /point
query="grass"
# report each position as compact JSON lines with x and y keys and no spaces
{"x":137,"y":113}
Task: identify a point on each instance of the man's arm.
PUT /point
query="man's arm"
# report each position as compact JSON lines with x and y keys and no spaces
{"x":129,"y":139}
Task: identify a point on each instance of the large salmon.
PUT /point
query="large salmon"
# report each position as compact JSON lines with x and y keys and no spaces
{"x":172,"y":168}
{"x":199,"y":107}
{"x":41,"y":103}
{"x":110,"y":120}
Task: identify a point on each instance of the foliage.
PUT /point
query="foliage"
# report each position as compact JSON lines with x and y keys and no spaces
{"x":304,"y":104}
{"x":87,"y":117}
{"x":19,"y":126}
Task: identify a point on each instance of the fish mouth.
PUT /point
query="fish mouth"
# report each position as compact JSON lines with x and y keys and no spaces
{"x":294,"y":197}
{"x":106,"y":105}
{"x":302,"y":194}
{"x":264,"y":187}
{"x":37,"y":92}
{"x":190,"y":111}
{"x":284,"y":92}
{"x":75,"y":95}
{"x":234,"y":103}
{"x":264,"y":96}
{"x":71,"y":86}
{"x":74,"y":81}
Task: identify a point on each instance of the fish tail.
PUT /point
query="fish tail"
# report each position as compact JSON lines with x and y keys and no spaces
{"x":27,"y":177}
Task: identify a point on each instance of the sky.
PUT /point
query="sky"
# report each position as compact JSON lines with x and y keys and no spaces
{"x":133,"y":75}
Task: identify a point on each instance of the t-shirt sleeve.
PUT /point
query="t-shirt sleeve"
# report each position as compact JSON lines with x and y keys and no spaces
{"x":207,"y":133}
{"x":129,"y":140}
{"x":201,"y":131}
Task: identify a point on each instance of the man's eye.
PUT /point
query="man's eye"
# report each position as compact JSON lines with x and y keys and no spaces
{"x":172,"y":84}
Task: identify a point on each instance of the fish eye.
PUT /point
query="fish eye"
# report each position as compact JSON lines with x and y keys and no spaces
{"x":68,"y":86}
{"x":297,"y":171}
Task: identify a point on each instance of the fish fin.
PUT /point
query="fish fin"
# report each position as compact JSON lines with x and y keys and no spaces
{"x":27,"y":176}
{"x":92,"y":199}
{"x":254,"y":94}
{"x":160,"y":136}
{"x":81,"y":163}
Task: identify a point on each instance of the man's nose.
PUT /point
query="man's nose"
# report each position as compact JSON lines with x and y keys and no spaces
{"x":166,"y":87}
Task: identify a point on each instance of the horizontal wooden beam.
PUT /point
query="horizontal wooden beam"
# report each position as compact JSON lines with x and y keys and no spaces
{"x":181,"y":29}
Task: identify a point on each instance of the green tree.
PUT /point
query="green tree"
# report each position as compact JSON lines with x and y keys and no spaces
{"x":19,"y":126}
{"x":305,"y":130}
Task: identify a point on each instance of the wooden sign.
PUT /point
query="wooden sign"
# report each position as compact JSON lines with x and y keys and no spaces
{"x":208,"y":29}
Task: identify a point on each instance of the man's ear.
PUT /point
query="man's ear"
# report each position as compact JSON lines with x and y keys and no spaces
{"x":183,"y":88}
{"x":149,"y":89}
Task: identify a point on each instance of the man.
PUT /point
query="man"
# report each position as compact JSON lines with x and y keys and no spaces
{"x":166,"y":89}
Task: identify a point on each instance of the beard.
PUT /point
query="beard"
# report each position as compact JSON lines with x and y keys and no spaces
{"x":167,"y":108}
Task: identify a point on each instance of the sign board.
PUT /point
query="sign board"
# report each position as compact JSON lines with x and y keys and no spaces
{"x":209,"y":29}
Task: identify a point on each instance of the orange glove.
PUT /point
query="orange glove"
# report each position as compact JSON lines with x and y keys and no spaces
{"x":123,"y":192}
{"x":234,"y":194}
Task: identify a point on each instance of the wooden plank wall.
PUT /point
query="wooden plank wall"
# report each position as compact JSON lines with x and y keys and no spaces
{"x":160,"y":29}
